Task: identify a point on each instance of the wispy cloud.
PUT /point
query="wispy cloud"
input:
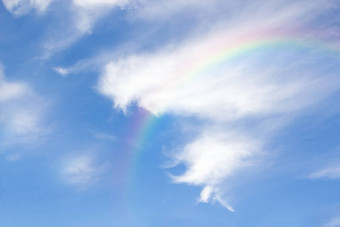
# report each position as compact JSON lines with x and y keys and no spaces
{"x":332,"y":172}
{"x":62,"y":71}
{"x":77,"y":20}
{"x":22,"y":113}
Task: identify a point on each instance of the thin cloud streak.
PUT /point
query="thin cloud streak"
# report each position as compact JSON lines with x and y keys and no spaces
{"x":332,"y":172}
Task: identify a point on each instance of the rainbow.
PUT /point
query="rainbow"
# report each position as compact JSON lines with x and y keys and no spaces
{"x":144,"y":123}
{"x":219,"y":54}
{"x":256,"y":44}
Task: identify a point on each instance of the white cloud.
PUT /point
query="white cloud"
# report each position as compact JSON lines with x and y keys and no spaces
{"x":161,"y":83}
{"x":179,"y":79}
{"x":21,"y":113}
{"x":20,"y":7}
{"x":81,"y":171}
{"x":212,"y":158}
{"x":329,"y":172}
{"x":211,"y":77}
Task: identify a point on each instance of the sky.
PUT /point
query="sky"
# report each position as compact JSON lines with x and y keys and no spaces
{"x":169,"y":113}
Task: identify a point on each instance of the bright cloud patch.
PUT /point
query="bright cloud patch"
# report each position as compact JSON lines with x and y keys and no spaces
{"x":212,"y":158}
{"x":253,"y":68}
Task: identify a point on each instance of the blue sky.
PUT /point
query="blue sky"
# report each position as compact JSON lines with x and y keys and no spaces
{"x":169,"y":113}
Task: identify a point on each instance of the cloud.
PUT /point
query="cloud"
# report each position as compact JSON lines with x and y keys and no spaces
{"x":251,"y":68}
{"x":213,"y":157}
{"x":62,"y":71}
{"x":180,"y":76}
{"x":10,"y":91}
{"x":22,"y":113}
{"x":71,"y":19}
{"x":20,"y":7}
{"x":81,"y":171}
{"x":168,"y":86}
{"x":329,"y":172}
{"x":75,"y":21}
{"x":88,"y":12}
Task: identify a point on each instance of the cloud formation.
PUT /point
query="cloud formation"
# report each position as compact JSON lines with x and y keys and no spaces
{"x":244,"y":69}
{"x":214,"y":156}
